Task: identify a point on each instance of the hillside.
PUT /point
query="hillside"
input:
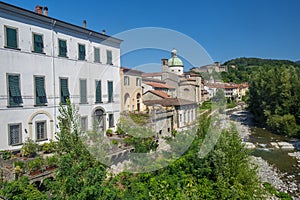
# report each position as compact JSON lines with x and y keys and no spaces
{"x":244,"y":67}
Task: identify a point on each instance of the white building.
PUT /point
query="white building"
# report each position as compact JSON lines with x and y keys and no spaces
{"x":43,"y":62}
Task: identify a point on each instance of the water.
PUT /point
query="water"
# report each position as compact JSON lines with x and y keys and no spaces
{"x":288,"y":165}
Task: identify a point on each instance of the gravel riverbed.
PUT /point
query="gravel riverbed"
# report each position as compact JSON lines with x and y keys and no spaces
{"x":269,"y":173}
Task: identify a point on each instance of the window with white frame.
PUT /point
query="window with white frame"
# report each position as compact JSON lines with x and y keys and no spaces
{"x":14,"y":134}
{"x":126,"y":80}
{"x":41,"y":130}
{"x":11,"y":37}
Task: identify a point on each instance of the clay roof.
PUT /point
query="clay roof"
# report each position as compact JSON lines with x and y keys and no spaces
{"x":146,"y":79}
{"x":131,"y":71}
{"x":151,"y":74}
{"x":159,"y":93}
{"x":170,"y":102}
{"x":225,"y":86}
{"x":158,"y":85}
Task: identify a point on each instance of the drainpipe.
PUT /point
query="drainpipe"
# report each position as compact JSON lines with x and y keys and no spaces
{"x":53,"y":79}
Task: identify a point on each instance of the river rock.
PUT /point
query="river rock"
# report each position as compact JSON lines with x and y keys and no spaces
{"x":275,"y":145}
{"x":249,"y":145}
{"x":286,"y":145}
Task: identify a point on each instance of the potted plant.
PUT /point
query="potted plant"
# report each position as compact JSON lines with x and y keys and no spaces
{"x":49,"y":147}
{"x":35,"y":166}
{"x":109,"y":132}
{"x":29,"y":148}
{"x":120,"y":132}
{"x":51,"y":162}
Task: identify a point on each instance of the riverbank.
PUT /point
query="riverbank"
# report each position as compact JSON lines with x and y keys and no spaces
{"x":267,"y":172}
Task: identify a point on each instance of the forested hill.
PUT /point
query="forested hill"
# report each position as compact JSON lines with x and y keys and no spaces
{"x":244,"y":67}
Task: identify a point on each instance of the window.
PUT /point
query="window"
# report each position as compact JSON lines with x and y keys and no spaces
{"x":14,"y":134}
{"x":38,"y":44}
{"x":126,"y":80}
{"x":64,"y":90}
{"x":98,"y":92}
{"x":81,"y":52}
{"x":110,"y":91}
{"x":11,"y":38}
{"x":111,"y":122}
{"x":109,"y":57}
{"x":84,"y":123}
{"x":96,"y":55}
{"x":40,"y":93}
{"x":15,"y":98}
{"x":83,"y":95}
{"x":41,"y":130}
{"x":62,"y":46}
{"x":180,"y":117}
{"x":138,"y":82}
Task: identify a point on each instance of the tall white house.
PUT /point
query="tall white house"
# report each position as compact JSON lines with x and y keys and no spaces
{"x":43,"y":62}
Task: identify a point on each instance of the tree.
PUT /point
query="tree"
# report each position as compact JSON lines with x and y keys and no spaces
{"x":235,"y":178}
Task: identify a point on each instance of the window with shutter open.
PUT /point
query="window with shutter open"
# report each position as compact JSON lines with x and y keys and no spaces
{"x":15,"y":97}
{"x":40,"y":92}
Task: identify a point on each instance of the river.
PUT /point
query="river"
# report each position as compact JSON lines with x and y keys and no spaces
{"x":265,"y":145}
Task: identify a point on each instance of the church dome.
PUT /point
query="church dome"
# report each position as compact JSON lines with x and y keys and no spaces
{"x":174,"y":61}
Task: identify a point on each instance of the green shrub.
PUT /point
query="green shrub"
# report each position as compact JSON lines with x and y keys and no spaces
{"x":52,"y":161}
{"x":6,"y":154}
{"x":35,"y":164}
{"x":49,"y":147}
{"x":115,"y":142}
{"x":19,"y":163}
{"x":29,"y":148}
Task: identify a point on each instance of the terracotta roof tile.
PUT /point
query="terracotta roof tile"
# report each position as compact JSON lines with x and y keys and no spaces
{"x":151,"y":74}
{"x":170,"y":102}
{"x":159,"y":85}
{"x":159,"y":93}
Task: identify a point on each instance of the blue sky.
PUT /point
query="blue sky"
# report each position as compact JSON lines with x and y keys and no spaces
{"x":226,"y":29}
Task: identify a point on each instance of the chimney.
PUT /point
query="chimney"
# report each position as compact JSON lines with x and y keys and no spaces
{"x":46,"y":11}
{"x":39,"y":9}
{"x":104,"y":32}
{"x":84,"y":23}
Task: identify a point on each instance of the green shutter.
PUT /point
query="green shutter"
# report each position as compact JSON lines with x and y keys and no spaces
{"x":109,"y":57}
{"x":38,"y":43}
{"x":64,"y":90}
{"x":62,"y":48}
{"x":81,"y":52}
{"x":15,"y":97}
{"x":97,"y":54}
{"x":11,"y":38}
{"x":110,"y":91}
{"x":83,"y":97}
{"x":98,"y":92}
{"x":40,"y":93}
